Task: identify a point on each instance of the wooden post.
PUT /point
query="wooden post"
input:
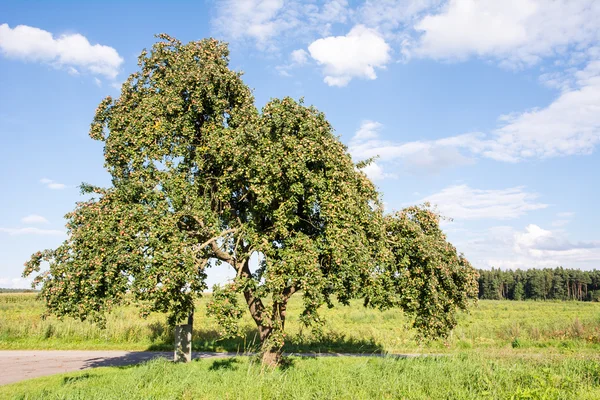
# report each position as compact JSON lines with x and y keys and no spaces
{"x":183,"y":340}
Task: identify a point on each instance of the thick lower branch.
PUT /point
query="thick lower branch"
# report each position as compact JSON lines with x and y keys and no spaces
{"x":255,"y":304}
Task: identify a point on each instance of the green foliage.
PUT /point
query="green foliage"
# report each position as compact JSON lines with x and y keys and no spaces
{"x":539,"y":284}
{"x":426,"y":276}
{"x":199,"y":175}
{"x":168,"y":143}
{"x":225,"y":308}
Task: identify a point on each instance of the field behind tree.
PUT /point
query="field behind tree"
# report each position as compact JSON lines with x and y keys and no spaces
{"x":507,"y":327}
{"x":501,"y":350}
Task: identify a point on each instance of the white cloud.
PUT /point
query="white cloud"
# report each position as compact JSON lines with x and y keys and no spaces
{"x":516,"y":32}
{"x":71,"y":51}
{"x":416,"y":157}
{"x":569,"y":125}
{"x":266,"y":22}
{"x":355,"y":55}
{"x":50,"y":184}
{"x":34,"y":219}
{"x":538,"y":242}
{"x":257,"y":19}
{"x":15,"y":283}
{"x":532,"y":247}
{"x":368,"y":130}
{"x":391,"y":16}
{"x":97,"y":82}
{"x":299,"y":57}
{"x":32,"y":231}
{"x":375,"y":172}
{"x":461,"y":202}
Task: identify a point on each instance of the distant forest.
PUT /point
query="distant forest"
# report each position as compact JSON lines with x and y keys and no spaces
{"x":7,"y":290}
{"x":532,"y":284}
{"x":539,"y":284}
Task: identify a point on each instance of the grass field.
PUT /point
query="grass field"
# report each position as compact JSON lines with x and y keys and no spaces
{"x":501,"y":350}
{"x":452,"y":377}
{"x":505,"y":326}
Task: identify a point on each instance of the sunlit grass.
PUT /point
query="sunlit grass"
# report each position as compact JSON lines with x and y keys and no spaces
{"x":507,"y":326}
{"x":453,"y":377}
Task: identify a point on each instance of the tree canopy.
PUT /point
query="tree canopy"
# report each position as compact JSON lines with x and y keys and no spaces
{"x":199,"y":176}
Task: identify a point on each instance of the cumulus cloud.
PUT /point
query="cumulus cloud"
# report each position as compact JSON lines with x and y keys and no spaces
{"x":32,"y":231}
{"x":462,"y":202}
{"x":50,"y":184}
{"x":517,"y":32}
{"x":530,"y":247}
{"x":355,"y":55}
{"x":539,"y":241}
{"x":34,"y":219}
{"x":70,"y":51}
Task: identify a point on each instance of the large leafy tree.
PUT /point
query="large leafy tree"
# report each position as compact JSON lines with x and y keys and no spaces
{"x":200,"y":176}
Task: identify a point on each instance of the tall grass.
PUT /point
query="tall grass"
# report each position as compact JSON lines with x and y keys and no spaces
{"x":493,"y":325}
{"x":453,"y":377}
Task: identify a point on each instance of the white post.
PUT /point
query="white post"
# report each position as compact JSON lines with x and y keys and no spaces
{"x":183,"y":340}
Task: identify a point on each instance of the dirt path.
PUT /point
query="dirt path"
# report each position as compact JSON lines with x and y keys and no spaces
{"x":18,"y":365}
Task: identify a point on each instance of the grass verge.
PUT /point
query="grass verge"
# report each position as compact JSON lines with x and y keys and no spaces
{"x":461,"y":376}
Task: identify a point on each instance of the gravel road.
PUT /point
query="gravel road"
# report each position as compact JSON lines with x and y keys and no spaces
{"x":18,"y":365}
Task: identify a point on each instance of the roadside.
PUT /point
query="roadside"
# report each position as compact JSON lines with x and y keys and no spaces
{"x":18,"y":365}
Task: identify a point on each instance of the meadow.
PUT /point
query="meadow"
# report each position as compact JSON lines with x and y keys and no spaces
{"x":501,"y":349}
{"x":451,"y":377}
{"x":506,"y":326}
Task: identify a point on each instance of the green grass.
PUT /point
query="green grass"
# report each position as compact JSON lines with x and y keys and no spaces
{"x":502,"y":349}
{"x":452,"y":377}
{"x":496,"y":326}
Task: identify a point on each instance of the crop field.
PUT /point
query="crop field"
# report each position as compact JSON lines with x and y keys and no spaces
{"x":501,"y":349}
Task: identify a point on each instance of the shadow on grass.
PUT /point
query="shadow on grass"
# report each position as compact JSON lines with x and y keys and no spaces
{"x":227,"y":363}
{"x":126,"y":360}
{"x":210,"y":340}
{"x":205,"y":340}
{"x":73,"y":379}
{"x":332,"y":342}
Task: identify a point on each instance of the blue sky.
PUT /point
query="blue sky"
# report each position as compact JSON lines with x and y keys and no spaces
{"x":488,"y":109}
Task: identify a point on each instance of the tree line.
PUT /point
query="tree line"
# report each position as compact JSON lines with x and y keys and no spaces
{"x":539,"y":284}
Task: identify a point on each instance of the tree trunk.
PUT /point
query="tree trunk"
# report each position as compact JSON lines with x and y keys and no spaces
{"x":183,"y":340}
{"x":271,"y":355}
{"x":271,"y":358}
